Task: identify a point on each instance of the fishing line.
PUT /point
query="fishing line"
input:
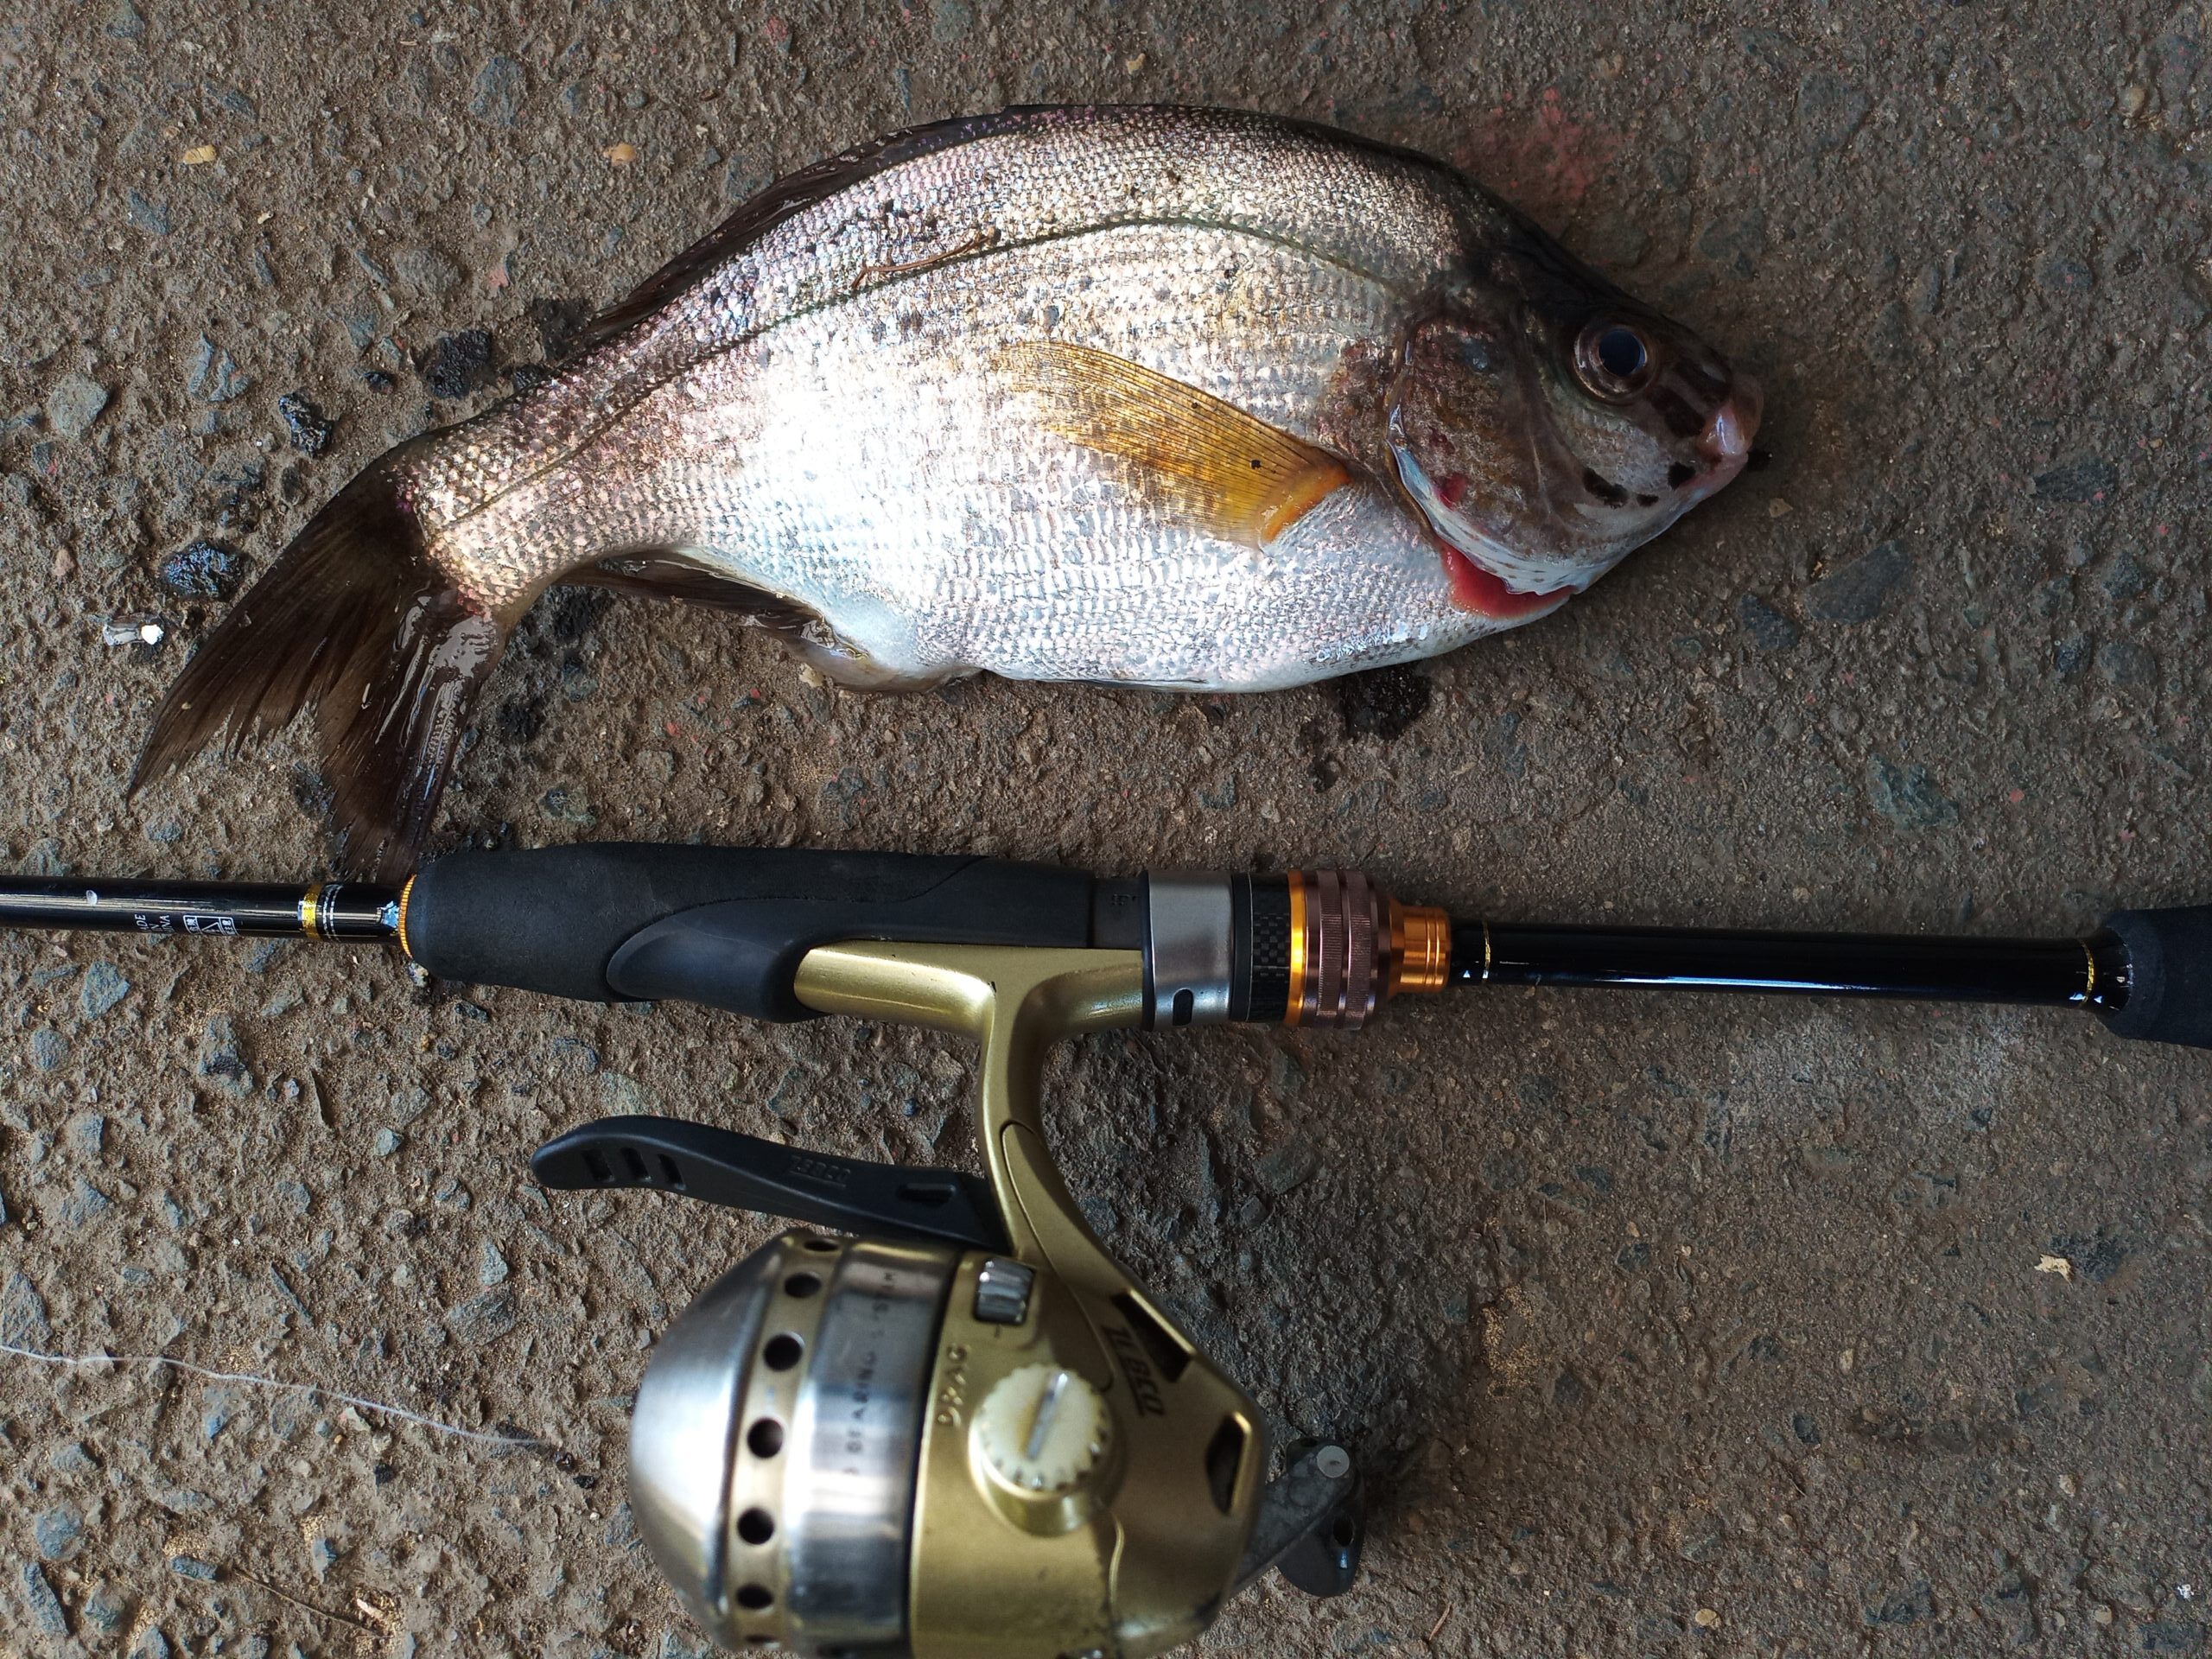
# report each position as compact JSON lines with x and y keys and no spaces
{"x":512,"y":1442}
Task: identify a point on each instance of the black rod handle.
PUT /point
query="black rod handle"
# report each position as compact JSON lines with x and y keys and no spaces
{"x":2147,"y":973}
{"x":2046,"y":972}
{"x":725,"y":926}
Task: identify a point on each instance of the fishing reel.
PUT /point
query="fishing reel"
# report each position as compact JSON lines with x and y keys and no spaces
{"x":960,"y":1429}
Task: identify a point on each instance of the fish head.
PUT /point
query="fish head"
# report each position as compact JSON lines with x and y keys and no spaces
{"x":1544,"y":423}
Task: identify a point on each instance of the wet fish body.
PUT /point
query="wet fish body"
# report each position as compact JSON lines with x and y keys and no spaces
{"x":1172,"y":397}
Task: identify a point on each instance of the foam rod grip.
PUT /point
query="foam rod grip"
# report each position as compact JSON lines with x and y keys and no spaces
{"x":2169,"y":974}
{"x":725,"y":926}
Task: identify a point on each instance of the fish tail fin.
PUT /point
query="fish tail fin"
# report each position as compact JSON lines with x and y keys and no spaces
{"x":357,"y":622}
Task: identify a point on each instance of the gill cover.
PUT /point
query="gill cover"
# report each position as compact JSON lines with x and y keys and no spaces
{"x":1475,"y":454}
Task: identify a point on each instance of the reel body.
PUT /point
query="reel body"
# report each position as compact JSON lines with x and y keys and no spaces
{"x":864,"y":1446}
{"x":966,"y":1433}
{"x":773,"y":1452}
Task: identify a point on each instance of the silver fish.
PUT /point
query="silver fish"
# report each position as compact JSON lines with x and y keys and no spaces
{"x":1176,"y":397}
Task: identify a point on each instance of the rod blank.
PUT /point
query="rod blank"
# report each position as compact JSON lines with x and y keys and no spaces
{"x":2091,"y":973}
{"x":335,"y":910}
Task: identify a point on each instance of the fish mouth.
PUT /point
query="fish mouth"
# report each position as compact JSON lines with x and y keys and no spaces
{"x":1726,"y":444}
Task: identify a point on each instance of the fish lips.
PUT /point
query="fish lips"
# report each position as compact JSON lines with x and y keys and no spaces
{"x":1724,"y":446}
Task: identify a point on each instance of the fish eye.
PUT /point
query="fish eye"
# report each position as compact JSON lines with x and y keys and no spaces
{"x":1613,"y":359}
{"x":1622,"y":352}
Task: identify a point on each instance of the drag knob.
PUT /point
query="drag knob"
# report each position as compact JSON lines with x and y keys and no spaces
{"x":1041,"y":1434}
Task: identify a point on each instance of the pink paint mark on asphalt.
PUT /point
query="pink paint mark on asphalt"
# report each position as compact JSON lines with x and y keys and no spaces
{"x":1542,"y":157}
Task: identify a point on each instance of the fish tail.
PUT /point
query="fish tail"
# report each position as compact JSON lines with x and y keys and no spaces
{"x":357,"y":622}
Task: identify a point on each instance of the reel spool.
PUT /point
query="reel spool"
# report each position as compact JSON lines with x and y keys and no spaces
{"x":776,"y":1440}
{"x":964,"y":1430}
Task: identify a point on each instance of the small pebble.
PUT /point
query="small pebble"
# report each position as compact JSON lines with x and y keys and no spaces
{"x":105,"y":1610}
{"x":103,"y":986}
{"x":40,"y":1601}
{"x":1288,"y":1166}
{"x":58,"y":1532}
{"x":49,"y":1050}
{"x":304,"y":421}
{"x":148,"y":215}
{"x":74,"y":404}
{"x":484,"y":1318}
{"x":87,"y":1204}
{"x":214,"y":376}
{"x":499,"y":87}
{"x":205,"y":569}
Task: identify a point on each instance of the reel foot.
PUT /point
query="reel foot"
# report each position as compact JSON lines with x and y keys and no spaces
{"x":1312,"y":1522}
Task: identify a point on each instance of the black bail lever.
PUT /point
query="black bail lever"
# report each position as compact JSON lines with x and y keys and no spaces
{"x":743,"y":1171}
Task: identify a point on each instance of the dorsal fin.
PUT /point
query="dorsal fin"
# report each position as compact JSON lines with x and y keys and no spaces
{"x":792,"y":195}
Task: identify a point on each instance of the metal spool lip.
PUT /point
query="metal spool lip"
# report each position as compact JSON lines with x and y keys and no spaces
{"x":682,"y":1431}
{"x":801,"y":1538}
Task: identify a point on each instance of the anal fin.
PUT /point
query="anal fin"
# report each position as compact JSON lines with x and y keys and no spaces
{"x":1201,"y":460}
{"x":662,"y":576}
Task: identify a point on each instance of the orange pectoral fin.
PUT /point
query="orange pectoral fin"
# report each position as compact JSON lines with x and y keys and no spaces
{"x":1195,"y":458}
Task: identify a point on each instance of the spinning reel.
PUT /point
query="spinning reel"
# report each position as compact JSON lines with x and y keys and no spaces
{"x":964,"y":1430}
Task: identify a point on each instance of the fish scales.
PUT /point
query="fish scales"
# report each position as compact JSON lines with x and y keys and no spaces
{"x":784,"y":462}
{"x":1181,"y":397}
{"x":1055,"y":174}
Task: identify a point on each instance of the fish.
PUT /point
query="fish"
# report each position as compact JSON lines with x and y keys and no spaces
{"x":1201,"y":399}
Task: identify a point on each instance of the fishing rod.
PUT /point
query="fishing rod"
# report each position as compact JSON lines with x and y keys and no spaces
{"x":729,"y":926}
{"x":935,"y":1417}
